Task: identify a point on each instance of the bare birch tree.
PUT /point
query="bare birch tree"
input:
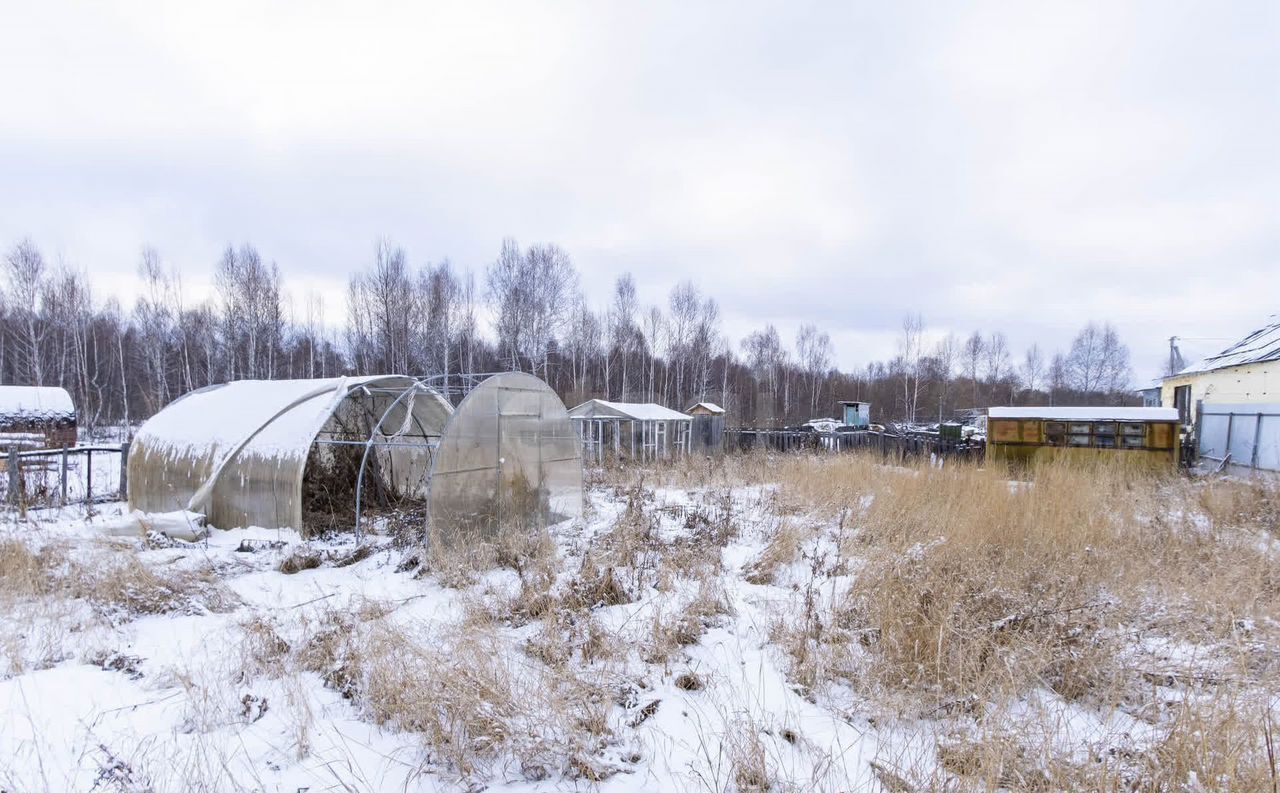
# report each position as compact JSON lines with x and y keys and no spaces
{"x":813,"y":351}
{"x":26,"y":270}
{"x":911,"y":351}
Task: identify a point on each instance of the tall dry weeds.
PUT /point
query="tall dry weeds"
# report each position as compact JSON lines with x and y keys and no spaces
{"x":973,"y":590}
{"x":111,"y":578}
{"x":477,"y":708}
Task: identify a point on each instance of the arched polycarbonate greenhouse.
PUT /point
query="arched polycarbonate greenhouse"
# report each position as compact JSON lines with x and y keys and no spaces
{"x":509,"y":456}
{"x":315,"y":454}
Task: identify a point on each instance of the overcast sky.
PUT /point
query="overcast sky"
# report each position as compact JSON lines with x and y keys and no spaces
{"x":1017,"y":166}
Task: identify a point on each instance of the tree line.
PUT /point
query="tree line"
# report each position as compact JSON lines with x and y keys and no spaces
{"x":523,"y":311}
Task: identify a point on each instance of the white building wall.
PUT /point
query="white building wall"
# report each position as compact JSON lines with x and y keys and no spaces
{"x":1246,"y":383}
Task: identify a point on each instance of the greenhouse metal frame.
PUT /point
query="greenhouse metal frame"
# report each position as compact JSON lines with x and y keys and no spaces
{"x":249,"y":453}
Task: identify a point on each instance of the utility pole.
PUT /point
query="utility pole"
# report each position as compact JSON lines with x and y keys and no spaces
{"x":1176,"y":363}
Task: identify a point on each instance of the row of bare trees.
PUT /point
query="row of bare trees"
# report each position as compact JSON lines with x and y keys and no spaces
{"x":527,"y":312}
{"x":980,"y":370}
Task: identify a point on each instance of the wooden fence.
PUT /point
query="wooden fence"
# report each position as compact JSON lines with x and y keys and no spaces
{"x":888,"y":444}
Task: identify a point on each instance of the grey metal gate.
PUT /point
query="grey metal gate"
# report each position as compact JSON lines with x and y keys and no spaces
{"x":1241,"y":434}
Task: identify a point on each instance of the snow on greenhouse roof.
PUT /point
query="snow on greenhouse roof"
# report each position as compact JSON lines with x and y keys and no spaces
{"x":35,"y":401}
{"x":637,"y":411}
{"x":226,"y":414}
{"x":237,"y":452}
{"x":1084,"y":413}
{"x":1261,"y":345}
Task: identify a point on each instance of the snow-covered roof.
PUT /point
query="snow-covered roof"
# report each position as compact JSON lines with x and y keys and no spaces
{"x":36,"y":401}
{"x":708,"y":406}
{"x":284,"y":414}
{"x":638,"y":411}
{"x":1261,"y":345}
{"x":1085,"y":413}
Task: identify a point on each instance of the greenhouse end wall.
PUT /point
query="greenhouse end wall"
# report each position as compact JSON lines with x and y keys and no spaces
{"x":509,"y":458}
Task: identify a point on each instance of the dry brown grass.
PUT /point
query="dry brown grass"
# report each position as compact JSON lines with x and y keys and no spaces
{"x":749,"y":760}
{"x":972,"y":591}
{"x":474,"y":705}
{"x":28,"y":570}
{"x":782,"y":549}
{"x":458,"y":562}
{"x":1207,"y":744}
{"x":950,"y":596}
{"x":1243,"y":503}
{"x":974,"y":583}
{"x":111,"y":578}
{"x":975,"y":614}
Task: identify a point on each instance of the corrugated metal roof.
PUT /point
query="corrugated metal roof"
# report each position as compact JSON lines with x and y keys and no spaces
{"x":1261,"y":345}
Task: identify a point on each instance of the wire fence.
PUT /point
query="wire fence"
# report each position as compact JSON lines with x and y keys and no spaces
{"x":47,"y":478}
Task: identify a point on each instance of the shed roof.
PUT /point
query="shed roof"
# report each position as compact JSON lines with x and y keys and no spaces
{"x":1085,"y":413}
{"x":35,"y":401}
{"x":710,"y":406}
{"x":636,"y":411}
{"x":1261,"y":345}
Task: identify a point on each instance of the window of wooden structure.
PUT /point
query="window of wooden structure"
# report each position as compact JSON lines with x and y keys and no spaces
{"x":1083,"y":434}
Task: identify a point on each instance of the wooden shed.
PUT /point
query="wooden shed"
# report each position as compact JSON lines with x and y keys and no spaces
{"x":1147,"y":436}
{"x":706,"y":431}
{"x":705,"y":409}
{"x":37,"y":417}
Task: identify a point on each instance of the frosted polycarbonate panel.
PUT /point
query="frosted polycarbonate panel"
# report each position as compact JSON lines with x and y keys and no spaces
{"x":261,"y":482}
{"x":1247,"y":430}
{"x":509,"y":458}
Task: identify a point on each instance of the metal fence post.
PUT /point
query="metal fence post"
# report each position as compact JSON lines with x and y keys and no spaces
{"x":1231,"y":417}
{"x":1197,"y":432}
{"x":1257,"y":439}
{"x":14,"y":478}
{"x":63,"y":485}
{"x":88,"y":476}
{"x":124,"y":470}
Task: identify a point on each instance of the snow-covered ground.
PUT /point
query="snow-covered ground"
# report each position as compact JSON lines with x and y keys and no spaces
{"x":641,"y":649}
{"x":94,"y":693}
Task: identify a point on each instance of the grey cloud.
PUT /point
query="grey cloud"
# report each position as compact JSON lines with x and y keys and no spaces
{"x":1003,"y":165}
